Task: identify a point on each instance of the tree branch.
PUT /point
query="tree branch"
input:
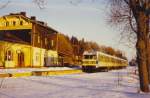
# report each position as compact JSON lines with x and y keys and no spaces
{"x":126,"y":1}
{"x":5,"y":4}
{"x":130,"y":18}
{"x":41,"y":3}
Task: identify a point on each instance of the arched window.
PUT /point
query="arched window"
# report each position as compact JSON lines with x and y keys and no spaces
{"x":21,"y":23}
{"x":14,"y":23}
{"x":9,"y":55}
{"x":7,"y":23}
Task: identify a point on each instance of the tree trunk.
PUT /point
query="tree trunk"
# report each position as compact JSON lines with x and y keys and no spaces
{"x":148,"y":46}
{"x":148,"y":58}
{"x":141,"y":47}
{"x":142,"y":65}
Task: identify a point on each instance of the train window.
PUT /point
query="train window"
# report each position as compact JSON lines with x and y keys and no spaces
{"x":107,"y":59}
{"x":89,"y":56}
{"x":116,"y":61}
{"x":99,"y":58}
{"x":93,"y":56}
{"x":86,"y":56}
{"x":103,"y":58}
{"x":111,"y":59}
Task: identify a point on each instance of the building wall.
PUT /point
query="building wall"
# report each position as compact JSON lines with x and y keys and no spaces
{"x":13,"y":22}
{"x":32,"y":56}
{"x":51,"y":58}
{"x":18,"y":52}
{"x":40,"y":36}
{"x":38,"y":57}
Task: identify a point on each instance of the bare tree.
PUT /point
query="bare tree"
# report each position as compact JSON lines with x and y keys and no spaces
{"x":134,"y":16}
{"x":41,"y":3}
{"x":3,"y":5}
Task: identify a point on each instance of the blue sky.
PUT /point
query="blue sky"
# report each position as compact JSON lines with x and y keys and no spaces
{"x":85,"y":20}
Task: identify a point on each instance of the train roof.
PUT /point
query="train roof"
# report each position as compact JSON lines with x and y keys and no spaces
{"x":89,"y":53}
{"x":111,"y":56}
{"x":98,"y":52}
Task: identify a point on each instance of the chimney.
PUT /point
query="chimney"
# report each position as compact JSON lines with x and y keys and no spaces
{"x":23,"y":13}
{"x":11,"y":14}
{"x":33,"y":18}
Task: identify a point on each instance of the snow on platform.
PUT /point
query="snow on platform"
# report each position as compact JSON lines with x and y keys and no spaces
{"x":112,"y":84}
{"x":19,"y":70}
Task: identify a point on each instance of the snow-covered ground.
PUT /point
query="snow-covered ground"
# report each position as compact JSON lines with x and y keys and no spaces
{"x":112,"y":84}
{"x":33,"y":69}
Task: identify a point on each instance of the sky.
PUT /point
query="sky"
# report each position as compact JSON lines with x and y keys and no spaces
{"x":80,"y":18}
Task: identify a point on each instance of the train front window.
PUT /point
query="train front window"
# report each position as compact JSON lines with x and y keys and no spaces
{"x":89,"y":56}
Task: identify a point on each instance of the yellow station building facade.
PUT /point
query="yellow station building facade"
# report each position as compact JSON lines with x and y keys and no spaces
{"x":24,"y":42}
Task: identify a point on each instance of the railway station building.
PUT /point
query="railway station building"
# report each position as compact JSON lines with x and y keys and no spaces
{"x":25,"y":42}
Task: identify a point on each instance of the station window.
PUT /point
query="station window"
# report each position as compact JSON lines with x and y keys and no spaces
{"x":45,"y":41}
{"x":3,"y":23}
{"x":37,"y":57}
{"x":9,"y":55}
{"x":38,"y":39}
{"x":52,"y":43}
{"x":14,"y":23}
{"x":7,"y":23}
{"x":21,"y":22}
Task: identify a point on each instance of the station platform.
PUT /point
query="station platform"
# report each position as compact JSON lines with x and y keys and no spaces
{"x":44,"y":71}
